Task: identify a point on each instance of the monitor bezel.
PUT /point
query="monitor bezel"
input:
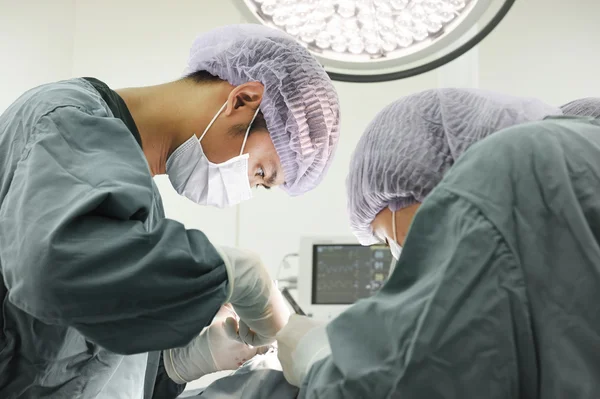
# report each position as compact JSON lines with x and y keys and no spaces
{"x":306,"y":271}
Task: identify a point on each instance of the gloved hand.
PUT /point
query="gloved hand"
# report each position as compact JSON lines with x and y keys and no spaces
{"x":301,"y":343}
{"x":210,"y":351}
{"x":259,"y":304}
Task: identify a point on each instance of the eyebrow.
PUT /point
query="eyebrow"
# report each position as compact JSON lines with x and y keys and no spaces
{"x":272,"y":179}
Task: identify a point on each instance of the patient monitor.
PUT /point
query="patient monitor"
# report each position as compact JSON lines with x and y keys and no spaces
{"x":336,"y":272}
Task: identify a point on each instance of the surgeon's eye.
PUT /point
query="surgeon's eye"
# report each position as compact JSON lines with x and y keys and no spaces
{"x":382,"y":241}
{"x":261,"y":173}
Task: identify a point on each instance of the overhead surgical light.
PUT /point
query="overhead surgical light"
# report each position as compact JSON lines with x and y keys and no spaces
{"x":380,"y":40}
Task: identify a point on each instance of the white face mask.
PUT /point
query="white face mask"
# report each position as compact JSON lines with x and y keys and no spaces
{"x":206,"y":183}
{"x":395,"y":248}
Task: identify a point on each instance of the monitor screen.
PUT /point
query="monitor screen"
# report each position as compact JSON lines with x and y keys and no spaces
{"x":343,"y":274}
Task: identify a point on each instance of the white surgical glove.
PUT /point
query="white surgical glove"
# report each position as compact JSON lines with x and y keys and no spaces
{"x":259,"y":304}
{"x":213,"y":350}
{"x":301,"y":343}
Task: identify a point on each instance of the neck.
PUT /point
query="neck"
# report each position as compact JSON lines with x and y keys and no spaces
{"x":167,"y":115}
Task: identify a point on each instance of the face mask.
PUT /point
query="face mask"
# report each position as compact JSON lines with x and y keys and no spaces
{"x":206,"y":183}
{"x":395,"y":248}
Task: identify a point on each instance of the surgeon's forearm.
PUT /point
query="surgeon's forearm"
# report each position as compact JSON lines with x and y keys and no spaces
{"x":313,"y":347}
{"x":325,"y":380}
{"x":323,"y":376}
{"x":127,"y":289}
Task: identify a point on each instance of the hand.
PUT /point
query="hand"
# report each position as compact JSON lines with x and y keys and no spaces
{"x":211,"y":351}
{"x":301,"y":343}
{"x":260,"y":306}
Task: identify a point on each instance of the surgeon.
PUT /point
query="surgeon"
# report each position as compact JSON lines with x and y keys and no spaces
{"x":493,"y":295}
{"x":589,"y":107}
{"x":96,"y":282}
{"x":409,"y":147}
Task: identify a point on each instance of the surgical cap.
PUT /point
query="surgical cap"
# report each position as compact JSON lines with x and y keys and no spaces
{"x":584,"y":107}
{"x":409,"y":146}
{"x":300,"y":104}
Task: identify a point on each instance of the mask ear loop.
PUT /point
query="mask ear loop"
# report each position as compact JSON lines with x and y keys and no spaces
{"x":212,"y":121}
{"x":394,"y":261}
{"x":394,"y":226}
{"x":248,"y":131}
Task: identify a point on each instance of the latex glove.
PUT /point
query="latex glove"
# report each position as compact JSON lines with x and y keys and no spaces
{"x":301,"y":343}
{"x":259,"y":304}
{"x":213,"y":350}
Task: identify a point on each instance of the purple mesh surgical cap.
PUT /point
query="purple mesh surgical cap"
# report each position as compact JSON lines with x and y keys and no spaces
{"x":583,"y":107}
{"x":411,"y":144}
{"x":300,"y":104}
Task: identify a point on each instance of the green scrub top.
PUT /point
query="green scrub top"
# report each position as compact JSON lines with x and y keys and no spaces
{"x":495,"y":294}
{"x":91,"y":269}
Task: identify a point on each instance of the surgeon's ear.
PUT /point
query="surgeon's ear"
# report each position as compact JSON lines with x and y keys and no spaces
{"x":245,"y":95}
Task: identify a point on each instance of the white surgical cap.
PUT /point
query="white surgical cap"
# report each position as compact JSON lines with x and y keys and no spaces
{"x":584,"y":107}
{"x":300,"y":104}
{"x":409,"y":146}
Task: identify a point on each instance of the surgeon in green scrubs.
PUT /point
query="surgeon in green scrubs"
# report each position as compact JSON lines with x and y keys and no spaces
{"x":495,"y":291}
{"x":96,"y":282}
